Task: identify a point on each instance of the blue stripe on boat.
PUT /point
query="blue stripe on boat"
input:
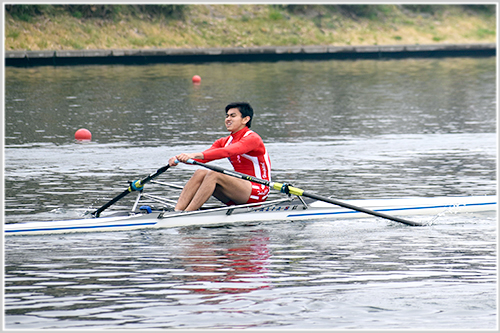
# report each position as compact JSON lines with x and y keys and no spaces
{"x":394,"y":209}
{"x":81,"y":227}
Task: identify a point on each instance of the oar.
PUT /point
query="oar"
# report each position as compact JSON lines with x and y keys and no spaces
{"x":136,"y":185}
{"x":285,"y":188}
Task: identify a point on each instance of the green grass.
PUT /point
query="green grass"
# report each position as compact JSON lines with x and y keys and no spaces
{"x":14,"y":34}
{"x":250,"y":25}
{"x":485,"y":33}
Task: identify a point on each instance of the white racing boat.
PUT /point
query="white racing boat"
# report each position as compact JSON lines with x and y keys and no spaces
{"x":298,"y":205}
{"x":278,"y":210}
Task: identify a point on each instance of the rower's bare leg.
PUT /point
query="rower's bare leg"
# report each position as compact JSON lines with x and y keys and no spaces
{"x":238,"y":190}
{"x":190,"y":189}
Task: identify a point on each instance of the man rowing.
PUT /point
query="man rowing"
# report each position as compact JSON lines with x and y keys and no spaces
{"x":245,"y":150}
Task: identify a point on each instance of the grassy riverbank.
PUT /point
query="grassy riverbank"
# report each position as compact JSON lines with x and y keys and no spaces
{"x":200,"y":26}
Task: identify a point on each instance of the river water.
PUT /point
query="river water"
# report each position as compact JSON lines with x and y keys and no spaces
{"x":348,"y":129}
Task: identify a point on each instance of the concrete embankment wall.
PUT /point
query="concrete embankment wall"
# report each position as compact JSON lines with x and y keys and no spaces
{"x":278,"y":53}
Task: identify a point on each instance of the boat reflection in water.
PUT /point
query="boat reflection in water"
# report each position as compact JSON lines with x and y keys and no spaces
{"x":227,"y":266}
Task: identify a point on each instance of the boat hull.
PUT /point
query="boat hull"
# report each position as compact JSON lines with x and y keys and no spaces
{"x":291,"y":211}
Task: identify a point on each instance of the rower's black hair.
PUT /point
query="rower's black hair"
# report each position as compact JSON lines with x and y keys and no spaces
{"x":245,"y":109}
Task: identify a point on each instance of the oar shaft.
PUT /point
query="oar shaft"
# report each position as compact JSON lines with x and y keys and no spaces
{"x":231,"y":172}
{"x":131,"y":188}
{"x":300,"y":192}
{"x":361,"y":209}
{"x":111,"y":202}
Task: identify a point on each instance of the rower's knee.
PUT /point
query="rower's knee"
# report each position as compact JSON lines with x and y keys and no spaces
{"x":199,"y":174}
{"x":211,"y":176}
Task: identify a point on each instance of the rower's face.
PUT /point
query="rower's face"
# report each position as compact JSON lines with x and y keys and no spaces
{"x":234,"y":121}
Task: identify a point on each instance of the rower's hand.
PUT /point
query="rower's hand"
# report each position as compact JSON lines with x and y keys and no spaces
{"x":173,"y":161}
{"x":184,"y":158}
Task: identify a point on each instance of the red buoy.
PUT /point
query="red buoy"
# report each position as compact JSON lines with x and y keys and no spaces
{"x":83,"y":134}
{"x":196,"y":79}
